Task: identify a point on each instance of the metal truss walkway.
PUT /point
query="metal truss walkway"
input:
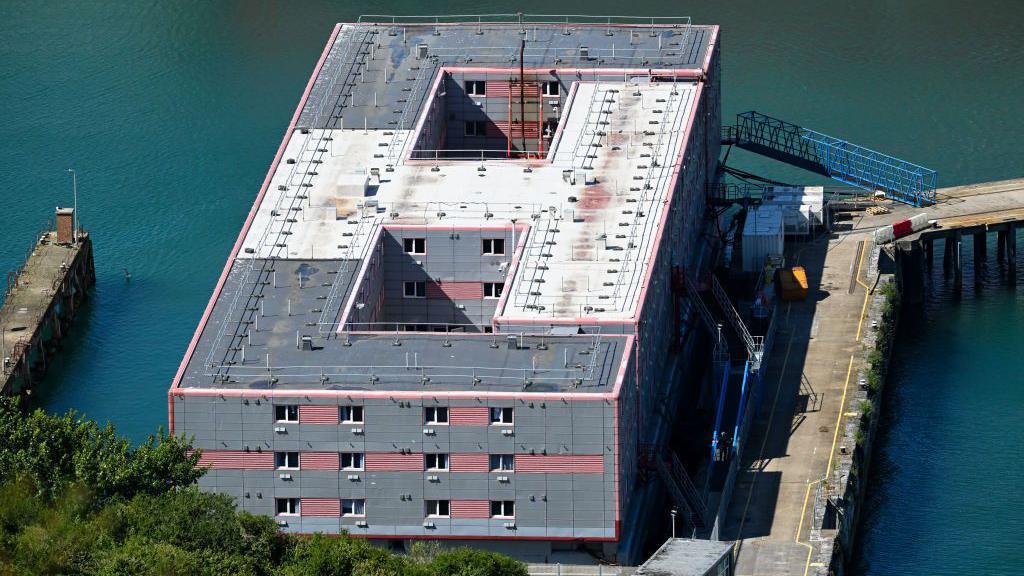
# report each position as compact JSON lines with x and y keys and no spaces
{"x":832,"y":157}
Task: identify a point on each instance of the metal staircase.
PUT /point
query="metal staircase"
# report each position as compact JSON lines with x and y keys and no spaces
{"x":833,"y":157}
{"x":679,"y":485}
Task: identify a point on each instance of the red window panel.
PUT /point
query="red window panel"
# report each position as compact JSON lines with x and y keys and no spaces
{"x":320,"y":507}
{"x":393,"y":462}
{"x":237,"y":460}
{"x":319,"y":461}
{"x":504,"y":88}
{"x":455,"y":290}
{"x":560,"y":464}
{"x":500,"y":129}
{"x":318,"y":414}
{"x":469,"y":416}
{"x":469,"y":463}
{"x":470,"y":509}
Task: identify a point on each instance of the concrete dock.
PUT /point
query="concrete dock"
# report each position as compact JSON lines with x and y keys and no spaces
{"x":42,"y":299}
{"x":796,"y":441}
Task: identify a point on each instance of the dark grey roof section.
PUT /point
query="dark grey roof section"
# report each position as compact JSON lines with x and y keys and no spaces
{"x":258,"y":340}
{"x":384,"y":61}
{"x":685,"y":557}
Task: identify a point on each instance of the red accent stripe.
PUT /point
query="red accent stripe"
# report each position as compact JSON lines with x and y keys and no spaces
{"x":560,"y":464}
{"x":504,"y":89}
{"x":393,"y":462}
{"x":469,"y":416}
{"x":237,"y":460}
{"x":319,"y":461}
{"x":320,"y":507}
{"x":318,"y":414}
{"x":455,"y":290}
{"x":469,"y":463}
{"x":500,"y":128}
{"x":470,"y":509}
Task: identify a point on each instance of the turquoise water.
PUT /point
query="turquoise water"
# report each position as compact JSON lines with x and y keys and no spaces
{"x":172,"y":112}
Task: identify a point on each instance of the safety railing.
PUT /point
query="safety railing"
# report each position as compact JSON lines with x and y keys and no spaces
{"x":521,"y":18}
{"x":573,"y":373}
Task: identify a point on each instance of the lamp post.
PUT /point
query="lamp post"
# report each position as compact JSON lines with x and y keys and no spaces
{"x":673,"y":512}
{"x":74,"y":190}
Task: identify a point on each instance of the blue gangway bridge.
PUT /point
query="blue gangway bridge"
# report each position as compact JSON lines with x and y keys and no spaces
{"x":833,"y":157}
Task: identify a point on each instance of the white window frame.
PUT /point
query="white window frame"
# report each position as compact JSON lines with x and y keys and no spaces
{"x":493,"y":290}
{"x":501,"y":412}
{"x":504,"y":507}
{"x":354,"y":456}
{"x":419,"y":245}
{"x":471,"y":87}
{"x":416,"y":291}
{"x":545,"y":88}
{"x":294,"y":505}
{"x":357,"y":505}
{"x":433,"y":415}
{"x":499,"y":465}
{"x":288,"y":408}
{"x":286,"y":458}
{"x":432,"y":508}
{"x":489,"y":245}
{"x":351,"y":414}
{"x":439,"y":459}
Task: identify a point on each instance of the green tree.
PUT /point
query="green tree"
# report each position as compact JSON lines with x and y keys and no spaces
{"x":56,"y":451}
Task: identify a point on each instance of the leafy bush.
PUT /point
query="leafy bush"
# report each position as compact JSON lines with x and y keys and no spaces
{"x":75,"y":498}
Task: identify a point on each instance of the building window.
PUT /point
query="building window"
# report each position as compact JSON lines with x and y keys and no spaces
{"x":286,"y":506}
{"x":351,"y":414}
{"x":436,"y":509}
{"x":436,"y":462}
{"x":435,"y":415}
{"x":502,"y":463}
{"x":351,"y":460}
{"x":501,"y":415}
{"x":286,"y":413}
{"x":493,"y":289}
{"x":353,"y":507}
{"x":414,"y":245}
{"x":286,"y":460}
{"x":414,"y":289}
{"x":494,"y":246}
{"x":503,"y":509}
{"x":550,"y":88}
{"x":476,"y":128}
{"x":476,"y":87}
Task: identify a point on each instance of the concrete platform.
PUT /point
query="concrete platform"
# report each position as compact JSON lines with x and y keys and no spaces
{"x":41,"y":300}
{"x":805,"y":397}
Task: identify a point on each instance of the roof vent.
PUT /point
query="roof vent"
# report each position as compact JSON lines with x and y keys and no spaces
{"x":584,"y":52}
{"x":513,"y":342}
{"x":421,"y":51}
{"x":307,"y":343}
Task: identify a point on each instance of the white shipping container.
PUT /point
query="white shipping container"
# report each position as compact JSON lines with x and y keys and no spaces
{"x":762,"y":237}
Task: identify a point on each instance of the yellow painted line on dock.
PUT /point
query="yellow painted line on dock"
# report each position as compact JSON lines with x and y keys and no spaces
{"x":867,"y":290}
{"x":800,"y":527}
{"x":860,"y":264}
{"x":839,"y":418}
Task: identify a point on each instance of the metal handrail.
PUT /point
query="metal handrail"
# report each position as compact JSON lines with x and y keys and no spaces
{"x":265,"y":233}
{"x":521,"y":18}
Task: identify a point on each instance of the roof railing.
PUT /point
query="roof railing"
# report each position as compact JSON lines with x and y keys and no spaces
{"x":520,"y":18}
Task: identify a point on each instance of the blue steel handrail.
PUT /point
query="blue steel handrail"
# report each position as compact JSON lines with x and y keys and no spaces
{"x":834,"y":157}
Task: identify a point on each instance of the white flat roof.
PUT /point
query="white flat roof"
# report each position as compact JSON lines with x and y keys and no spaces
{"x":587,"y":257}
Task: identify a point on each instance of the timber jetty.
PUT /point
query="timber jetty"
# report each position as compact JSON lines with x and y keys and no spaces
{"x":41,"y":301}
